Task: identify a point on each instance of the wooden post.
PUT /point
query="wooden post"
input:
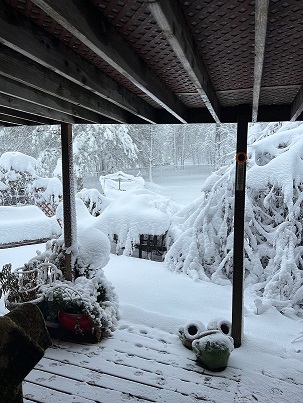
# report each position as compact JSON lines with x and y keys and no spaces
{"x":69,"y":210}
{"x":238,"y":256}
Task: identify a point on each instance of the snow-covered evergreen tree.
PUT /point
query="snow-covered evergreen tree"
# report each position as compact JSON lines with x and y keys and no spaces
{"x":273,"y":244}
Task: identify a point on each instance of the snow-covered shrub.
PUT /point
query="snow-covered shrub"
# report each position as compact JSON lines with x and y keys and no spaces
{"x":17,"y":171}
{"x":47,"y":193}
{"x":94,"y":201}
{"x":273,"y":244}
{"x":20,"y":185}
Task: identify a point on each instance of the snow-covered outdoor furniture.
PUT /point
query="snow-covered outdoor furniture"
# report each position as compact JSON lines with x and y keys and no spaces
{"x":135,"y":213}
{"x":26,"y":223}
{"x":114,"y":184}
{"x":152,"y":245}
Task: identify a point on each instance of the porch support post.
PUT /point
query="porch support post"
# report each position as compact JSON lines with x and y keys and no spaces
{"x":69,"y":216}
{"x":238,"y":254}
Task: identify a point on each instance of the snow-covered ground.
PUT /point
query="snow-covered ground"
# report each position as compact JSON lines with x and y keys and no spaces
{"x":150,"y":295}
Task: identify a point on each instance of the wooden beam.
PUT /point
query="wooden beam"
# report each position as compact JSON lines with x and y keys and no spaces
{"x":19,"y":33}
{"x":174,"y":27}
{"x":239,"y":210}
{"x":260,"y":39}
{"x":20,"y":91}
{"x":297,"y":105}
{"x":12,"y":120}
{"x":34,"y":109}
{"x":31,"y":120}
{"x":69,"y":203}
{"x":83,"y":21}
{"x":18,"y":67}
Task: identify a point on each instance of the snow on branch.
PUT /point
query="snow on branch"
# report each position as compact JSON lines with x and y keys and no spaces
{"x":273,"y":245}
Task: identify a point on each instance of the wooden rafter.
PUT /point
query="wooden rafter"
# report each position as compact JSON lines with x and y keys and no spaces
{"x":261,"y":14}
{"x":30,"y":120}
{"x":18,"y":67}
{"x":18,"y":91}
{"x":15,"y":103}
{"x":80,"y":19}
{"x":173,"y":25}
{"x":19,"y":34}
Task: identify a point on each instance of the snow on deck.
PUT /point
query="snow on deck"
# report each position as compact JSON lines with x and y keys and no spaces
{"x":144,"y":364}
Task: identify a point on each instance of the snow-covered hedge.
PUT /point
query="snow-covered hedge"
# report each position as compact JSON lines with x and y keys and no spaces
{"x":273,"y":245}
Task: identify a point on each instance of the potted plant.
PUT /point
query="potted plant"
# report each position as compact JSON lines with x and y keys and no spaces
{"x":24,"y":283}
{"x":86,"y":304}
{"x":213,"y":349}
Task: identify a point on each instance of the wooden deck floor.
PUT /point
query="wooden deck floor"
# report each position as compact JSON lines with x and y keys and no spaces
{"x":142,"y":364}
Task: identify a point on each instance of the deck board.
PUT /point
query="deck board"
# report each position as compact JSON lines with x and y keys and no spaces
{"x":142,"y":364}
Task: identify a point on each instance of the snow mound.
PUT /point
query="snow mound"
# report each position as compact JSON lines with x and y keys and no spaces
{"x":136,"y":212}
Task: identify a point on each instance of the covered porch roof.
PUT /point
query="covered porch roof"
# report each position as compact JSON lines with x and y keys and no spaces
{"x":149,"y":61}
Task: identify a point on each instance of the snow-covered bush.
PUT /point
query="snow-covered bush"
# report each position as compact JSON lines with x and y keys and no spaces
{"x":20,"y":185}
{"x":93,"y":200}
{"x":17,"y":172}
{"x":273,"y":244}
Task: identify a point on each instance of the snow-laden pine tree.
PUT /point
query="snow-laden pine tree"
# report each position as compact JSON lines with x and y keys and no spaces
{"x":273,"y":246}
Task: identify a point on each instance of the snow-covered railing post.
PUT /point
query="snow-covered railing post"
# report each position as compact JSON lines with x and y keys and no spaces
{"x":238,"y":254}
{"x":69,"y":209}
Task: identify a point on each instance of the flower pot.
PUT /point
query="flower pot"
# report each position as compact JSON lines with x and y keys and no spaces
{"x":190,"y":332}
{"x":75,"y":322}
{"x":213,"y":350}
{"x":40,"y":302}
{"x":223,"y":325}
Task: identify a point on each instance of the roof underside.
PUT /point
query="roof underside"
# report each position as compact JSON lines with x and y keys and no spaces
{"x":150,"y":61}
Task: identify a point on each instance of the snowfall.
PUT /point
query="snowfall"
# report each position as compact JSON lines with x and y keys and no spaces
{"x":151,"y":296}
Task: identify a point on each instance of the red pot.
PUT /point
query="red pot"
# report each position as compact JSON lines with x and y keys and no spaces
{"x":76,"y":323}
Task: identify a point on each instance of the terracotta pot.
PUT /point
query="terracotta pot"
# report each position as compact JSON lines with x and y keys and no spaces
{"x":75,"y":322}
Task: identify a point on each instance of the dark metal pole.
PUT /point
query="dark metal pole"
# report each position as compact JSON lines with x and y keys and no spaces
{"x":69,"y":217}
{"x":238,"y":256}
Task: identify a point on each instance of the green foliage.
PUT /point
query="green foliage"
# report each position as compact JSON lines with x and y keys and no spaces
{"x":8,"y":282}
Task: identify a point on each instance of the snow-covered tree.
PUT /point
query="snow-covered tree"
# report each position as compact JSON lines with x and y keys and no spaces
{"x":273,"y":244}
{"x":46,"y":142}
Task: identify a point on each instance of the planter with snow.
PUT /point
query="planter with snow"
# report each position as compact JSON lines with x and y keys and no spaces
{"x":190,"y":332}
{"x":213,"y":350}
{"x":220,"y":324}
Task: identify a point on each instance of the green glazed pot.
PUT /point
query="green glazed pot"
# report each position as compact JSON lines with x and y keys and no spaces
{"x":213,"y":350}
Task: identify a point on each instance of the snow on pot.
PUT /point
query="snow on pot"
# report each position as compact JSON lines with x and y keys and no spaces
{"x":220,"y":324}
{"x":213,"y":349}
{"x":190,"y":332}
